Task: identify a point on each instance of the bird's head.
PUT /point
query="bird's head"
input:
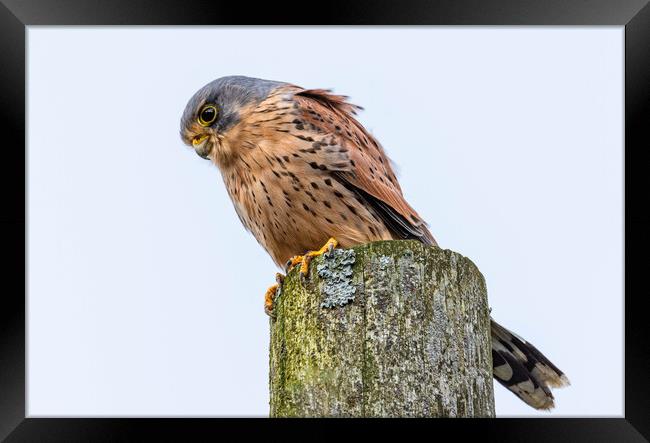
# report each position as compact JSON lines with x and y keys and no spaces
{"x":218,"y":106}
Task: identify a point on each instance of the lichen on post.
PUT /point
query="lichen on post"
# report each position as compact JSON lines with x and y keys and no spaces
{"x":387,"y":329}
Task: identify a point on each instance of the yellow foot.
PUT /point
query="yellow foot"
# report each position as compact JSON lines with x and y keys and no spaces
{"x":269,"y":296}
{"x":305,"y":259}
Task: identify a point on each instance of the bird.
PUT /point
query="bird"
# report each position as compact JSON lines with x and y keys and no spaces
{"x":305,"y":176}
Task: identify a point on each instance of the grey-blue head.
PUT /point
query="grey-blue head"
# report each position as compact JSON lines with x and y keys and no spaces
{"x":214,"y":108}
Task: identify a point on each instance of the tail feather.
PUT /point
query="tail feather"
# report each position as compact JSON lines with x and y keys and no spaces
{"x":522,"y":369}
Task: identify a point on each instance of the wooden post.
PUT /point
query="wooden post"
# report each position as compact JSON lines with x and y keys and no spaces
{"x":387,"y":329}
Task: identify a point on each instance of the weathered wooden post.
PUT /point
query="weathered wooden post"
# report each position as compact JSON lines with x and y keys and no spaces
{"x":387,"y":329}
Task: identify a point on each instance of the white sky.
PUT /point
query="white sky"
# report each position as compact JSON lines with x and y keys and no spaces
{"x":144,"y":291}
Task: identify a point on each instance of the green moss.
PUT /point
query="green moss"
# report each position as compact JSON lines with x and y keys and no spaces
{"x":370,"y":355}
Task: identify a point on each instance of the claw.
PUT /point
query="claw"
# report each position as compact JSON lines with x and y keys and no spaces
{"x":293,"y":261}
{"x":271,"y":293}
{"x":304,"y":260}
{"x":268,"y":300}
{"x":304,"y":265}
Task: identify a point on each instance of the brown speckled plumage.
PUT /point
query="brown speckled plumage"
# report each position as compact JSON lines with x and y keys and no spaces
{"x":300,"y":169}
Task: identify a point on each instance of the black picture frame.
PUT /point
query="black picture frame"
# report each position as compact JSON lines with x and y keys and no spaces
{"x":15,"y":15}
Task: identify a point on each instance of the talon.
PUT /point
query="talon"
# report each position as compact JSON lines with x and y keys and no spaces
{"x":331,"y":244}
{"x":304,"y":260}
{"x":304,"y":265}
{"x":293,"y":261}
{"x":268,"y":299}
{"x":270,"y":295}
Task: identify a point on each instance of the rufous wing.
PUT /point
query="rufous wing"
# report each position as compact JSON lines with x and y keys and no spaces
{"x":366,"y":169}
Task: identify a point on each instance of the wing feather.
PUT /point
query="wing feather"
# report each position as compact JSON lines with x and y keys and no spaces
{"x":367,"y":169}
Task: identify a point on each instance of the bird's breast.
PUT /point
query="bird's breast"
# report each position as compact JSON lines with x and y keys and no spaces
{"x":290,"y":208}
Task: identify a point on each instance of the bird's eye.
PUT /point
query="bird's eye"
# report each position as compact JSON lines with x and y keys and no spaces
{"x":208,"y":115}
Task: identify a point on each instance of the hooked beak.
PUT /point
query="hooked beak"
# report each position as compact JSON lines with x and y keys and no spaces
{"x":202,"y":145}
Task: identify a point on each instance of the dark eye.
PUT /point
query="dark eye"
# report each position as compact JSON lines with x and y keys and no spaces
{"x":208,"y":115}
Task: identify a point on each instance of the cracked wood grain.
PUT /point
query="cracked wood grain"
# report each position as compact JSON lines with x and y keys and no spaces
{"x":387,"y":329}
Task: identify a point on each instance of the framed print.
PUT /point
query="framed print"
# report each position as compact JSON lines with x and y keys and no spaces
{"x":516,"y":132}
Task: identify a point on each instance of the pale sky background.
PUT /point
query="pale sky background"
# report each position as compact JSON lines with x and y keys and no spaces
{"x":145,"y":293}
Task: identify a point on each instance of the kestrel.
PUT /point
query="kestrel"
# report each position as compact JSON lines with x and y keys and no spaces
{"x":302,"y":172}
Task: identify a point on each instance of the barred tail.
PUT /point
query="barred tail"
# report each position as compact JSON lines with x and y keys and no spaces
{"x":521,"y":368}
